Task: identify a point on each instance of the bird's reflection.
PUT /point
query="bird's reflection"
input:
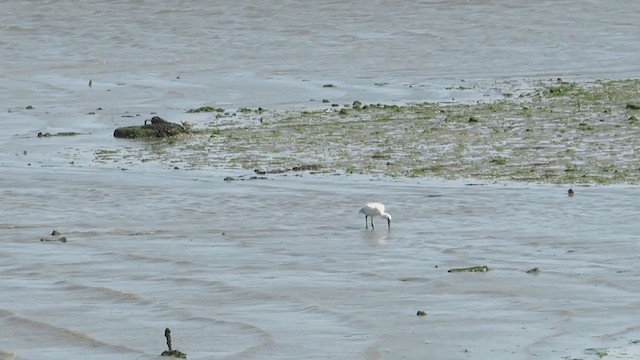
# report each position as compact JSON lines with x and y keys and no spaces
{"x":378,"y":238}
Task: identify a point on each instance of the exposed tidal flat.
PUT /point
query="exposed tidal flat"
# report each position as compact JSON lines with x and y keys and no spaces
{"x":550,"y":131}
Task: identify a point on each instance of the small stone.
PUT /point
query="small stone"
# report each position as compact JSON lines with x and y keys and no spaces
{"x":482,"y":268}
{"x":631,"y":106}
{"x":570,"y":192}
{"x":325,"y":100}
{"x":421,"y":313}
{"x":328,"y":86}
{"x":535,"y":270}
{"x":55,"y":233}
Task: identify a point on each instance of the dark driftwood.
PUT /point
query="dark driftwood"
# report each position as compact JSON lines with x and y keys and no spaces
{"x":172,"y":352}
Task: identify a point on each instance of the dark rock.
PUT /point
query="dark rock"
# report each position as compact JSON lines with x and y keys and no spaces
{"x":307,"y":167}
{"x":631,"y":106}
{"x":174,"y":353}
{"x":421,"y":313}
{"x":229,"y":178}
{"x":155,"y":127}
{"x":67,"y":133}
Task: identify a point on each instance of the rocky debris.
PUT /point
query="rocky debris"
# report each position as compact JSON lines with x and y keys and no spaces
{"x":67,"y":133}
{"x":231,"y":178}
{"x":55,"y":236}
{"x":303,"y":167}
{"x":482,"y":268}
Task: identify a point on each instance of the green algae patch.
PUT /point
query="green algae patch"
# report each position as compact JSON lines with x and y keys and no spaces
{"x":205,"y":109}
{"x":600,"y":353}
{"x":135,"y":132}
{"x":550,"y":132}
{"x":482,"y":268}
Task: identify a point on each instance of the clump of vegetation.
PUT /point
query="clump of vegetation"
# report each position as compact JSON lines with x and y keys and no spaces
{"x":559,"y":132}
{"x":206,"y":109}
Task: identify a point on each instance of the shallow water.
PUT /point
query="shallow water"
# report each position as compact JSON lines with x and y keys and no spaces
{"x":284,"y":269}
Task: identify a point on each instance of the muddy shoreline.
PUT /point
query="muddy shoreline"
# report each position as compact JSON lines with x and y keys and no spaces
{"x":555,"y":132}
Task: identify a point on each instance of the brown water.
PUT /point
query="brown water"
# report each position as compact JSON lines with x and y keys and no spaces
{"x":283,"y":268}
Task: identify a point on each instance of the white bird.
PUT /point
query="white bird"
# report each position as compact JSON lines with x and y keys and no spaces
{"x":375,"y":209}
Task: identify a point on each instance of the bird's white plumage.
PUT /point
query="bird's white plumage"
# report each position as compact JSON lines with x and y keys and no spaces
{"x":375,"y":209}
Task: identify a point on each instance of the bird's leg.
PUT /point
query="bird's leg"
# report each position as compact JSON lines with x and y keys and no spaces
{"x":366,"y":224}
{"x":372,"y":223}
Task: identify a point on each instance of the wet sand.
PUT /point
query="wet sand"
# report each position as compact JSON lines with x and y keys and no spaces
{"x":275,"y":269}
